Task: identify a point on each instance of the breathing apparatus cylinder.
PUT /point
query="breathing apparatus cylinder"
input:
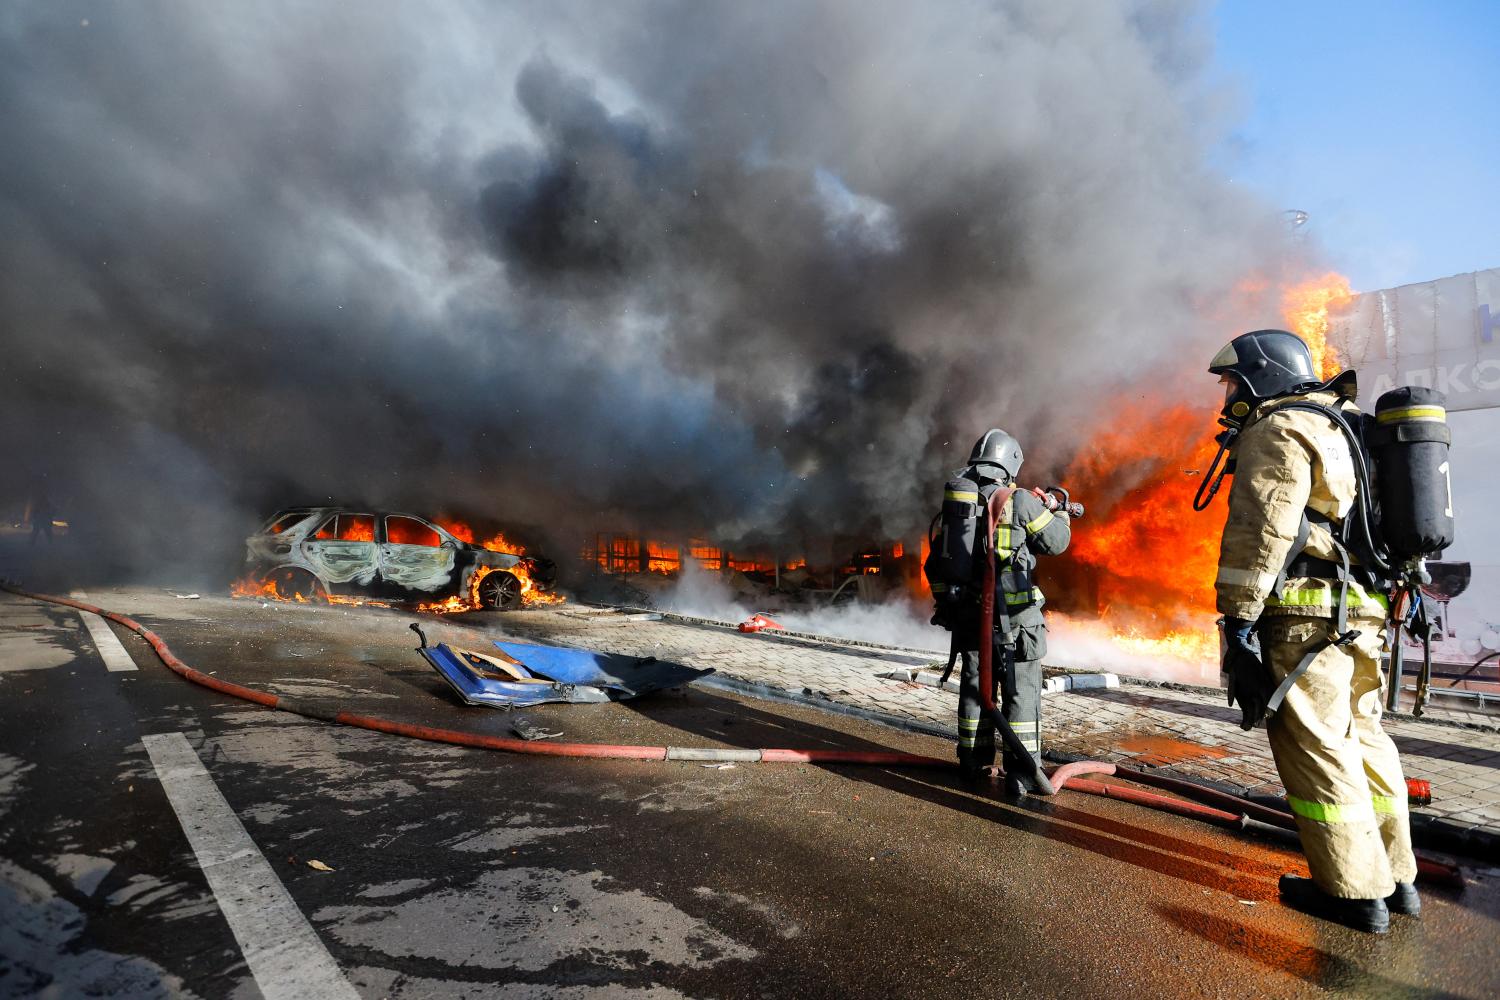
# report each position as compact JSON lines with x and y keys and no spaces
{"x":950,"y":567}
{"x":1410,"y":446}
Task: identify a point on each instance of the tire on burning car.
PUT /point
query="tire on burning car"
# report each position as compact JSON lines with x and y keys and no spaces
{"x":499,"y":591}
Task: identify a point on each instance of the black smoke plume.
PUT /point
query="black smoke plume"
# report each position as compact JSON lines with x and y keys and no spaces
{"x":702,"y":267}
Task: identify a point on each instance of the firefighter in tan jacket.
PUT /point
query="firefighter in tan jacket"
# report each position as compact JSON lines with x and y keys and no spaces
{"x":1294,"y":481}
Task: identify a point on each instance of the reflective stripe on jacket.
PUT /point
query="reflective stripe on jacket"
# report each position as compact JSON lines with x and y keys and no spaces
{"x":1025,"y":528}
{"x":1287,"y":462}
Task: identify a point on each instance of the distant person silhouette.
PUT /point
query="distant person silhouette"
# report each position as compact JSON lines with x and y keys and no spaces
{"x":41,"y":515}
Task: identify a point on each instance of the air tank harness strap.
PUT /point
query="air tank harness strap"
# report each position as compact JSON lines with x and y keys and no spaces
{"x":952,"y":657}
{"x":1341,"y":635}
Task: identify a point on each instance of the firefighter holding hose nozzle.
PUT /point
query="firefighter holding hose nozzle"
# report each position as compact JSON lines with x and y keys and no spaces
{"x":1025,"y":523}
{"x":1308,"y":554}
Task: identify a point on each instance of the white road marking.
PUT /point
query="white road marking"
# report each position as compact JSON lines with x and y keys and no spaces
{"x":284,"y":953}
{"x":115,"y":657}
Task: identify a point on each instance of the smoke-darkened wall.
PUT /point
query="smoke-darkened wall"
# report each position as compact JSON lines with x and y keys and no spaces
{"x":740,"y":267}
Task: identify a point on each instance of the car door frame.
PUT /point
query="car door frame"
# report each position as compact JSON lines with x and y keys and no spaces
{"x":342,"y":565}
{"x":417,"y":571}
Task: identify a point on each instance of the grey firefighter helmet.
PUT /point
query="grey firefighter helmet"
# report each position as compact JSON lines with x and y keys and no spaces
{"x":1265,"y":364}
{"x":999,"y":449}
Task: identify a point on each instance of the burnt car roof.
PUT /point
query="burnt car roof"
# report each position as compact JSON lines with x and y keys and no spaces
{"x":347,"y":508}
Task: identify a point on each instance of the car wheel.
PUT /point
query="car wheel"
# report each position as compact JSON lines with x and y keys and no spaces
{"x":291,"y":584}
{"x":500,"y":591}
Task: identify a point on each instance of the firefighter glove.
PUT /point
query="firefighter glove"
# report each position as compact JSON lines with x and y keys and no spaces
{"x":1247,"y":677}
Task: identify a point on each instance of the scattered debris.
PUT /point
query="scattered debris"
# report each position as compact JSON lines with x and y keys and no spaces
{"x":717,"y":767}
{"x":186,"y":597}
{"x":526,"y":674}
{"x":759,"y":622}
{"x":318,"y":866}
{"x":528,"y":730}
{"x":1247,"y":902}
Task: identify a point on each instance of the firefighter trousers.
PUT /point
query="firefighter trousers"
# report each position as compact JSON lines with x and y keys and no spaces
{"x":1341,"y":771}
{"x":1019,"y":686}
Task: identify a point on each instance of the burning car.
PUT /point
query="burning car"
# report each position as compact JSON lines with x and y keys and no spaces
{"x":358,"y":554}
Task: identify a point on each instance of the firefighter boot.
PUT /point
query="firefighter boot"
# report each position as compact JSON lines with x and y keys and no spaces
{"x":976,"y":764}
{"x":1368,"y":915}
{"x":1404,"y":900}
{"x":1017,"y":784}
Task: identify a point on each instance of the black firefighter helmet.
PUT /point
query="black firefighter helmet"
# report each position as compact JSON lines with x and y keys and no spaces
{"x":1263,"y":364}
{"x":998,"y":448}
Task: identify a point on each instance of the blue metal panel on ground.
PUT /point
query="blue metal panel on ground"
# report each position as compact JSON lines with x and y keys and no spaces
{"x":579,"y":676}
{"x":626,"y":675}
{"x":477,"y":690}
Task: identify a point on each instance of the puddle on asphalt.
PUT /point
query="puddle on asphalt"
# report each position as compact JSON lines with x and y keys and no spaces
{"x":41,"y":649}
{"x":1157,"y":751}
{"x":530,"y":919}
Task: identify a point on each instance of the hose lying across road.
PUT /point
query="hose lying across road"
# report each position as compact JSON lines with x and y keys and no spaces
{"x":460,"y":738}
{"x":1248,"y":815}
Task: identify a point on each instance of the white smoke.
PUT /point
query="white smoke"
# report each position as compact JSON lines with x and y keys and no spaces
{"x":897,"y":622}
{"x":1094,"y":645}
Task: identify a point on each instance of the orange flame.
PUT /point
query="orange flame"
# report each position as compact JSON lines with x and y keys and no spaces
{"x":752,"y":564}
{"x":707,"y":556}
{"x":662,"y":558}
{"x":269,"y":590}
{"x":362,"y":528}
{"x":1147,"y":561}
{"x":530,"y":594}
{"x":1306,"y":307}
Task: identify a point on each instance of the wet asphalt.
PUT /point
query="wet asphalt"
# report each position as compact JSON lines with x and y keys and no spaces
{"x":462,"y":872}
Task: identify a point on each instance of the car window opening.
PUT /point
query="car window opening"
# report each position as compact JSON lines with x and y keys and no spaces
{"x":284,"y":522}
{"x":410,"y":531}
{"x":347,"y":528}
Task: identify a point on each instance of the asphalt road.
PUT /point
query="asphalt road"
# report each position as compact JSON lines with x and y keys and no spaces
{"x":461,"y":872}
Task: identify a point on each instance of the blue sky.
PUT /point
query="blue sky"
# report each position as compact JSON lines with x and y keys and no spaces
{"x":1381,"y":120}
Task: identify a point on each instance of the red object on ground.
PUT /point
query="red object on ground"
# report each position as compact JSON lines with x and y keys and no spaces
{"x":757,"y":622}
{"x":1418,"y":791}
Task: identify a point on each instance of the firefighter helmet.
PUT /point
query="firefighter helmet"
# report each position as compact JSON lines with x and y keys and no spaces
{"x":1264,"y":364}
{"x":1000,"y":449}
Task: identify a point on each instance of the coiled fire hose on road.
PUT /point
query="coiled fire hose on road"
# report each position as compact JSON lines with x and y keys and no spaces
{"x":1250,"y":816}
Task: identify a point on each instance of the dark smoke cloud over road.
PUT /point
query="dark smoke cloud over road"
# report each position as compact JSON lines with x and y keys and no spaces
{"x":724,"y":266}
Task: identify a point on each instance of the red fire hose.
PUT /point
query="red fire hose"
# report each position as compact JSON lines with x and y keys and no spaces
{"x":1064,"y":776}
{"x":1428,"y":869}
{"x":460,"y":738}
{"x":1012,"y":742}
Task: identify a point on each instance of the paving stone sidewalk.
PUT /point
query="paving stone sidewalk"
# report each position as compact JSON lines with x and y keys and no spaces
{"x":1190,"y":732}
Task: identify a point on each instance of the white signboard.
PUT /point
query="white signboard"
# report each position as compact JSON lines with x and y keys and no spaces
{"x":1443,"y":334}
